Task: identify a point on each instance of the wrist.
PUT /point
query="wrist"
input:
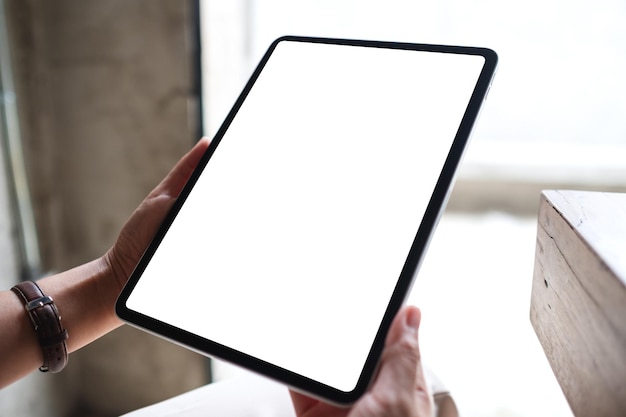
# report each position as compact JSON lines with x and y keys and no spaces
{"x":85,"y":297}
{"x":118,"y":267}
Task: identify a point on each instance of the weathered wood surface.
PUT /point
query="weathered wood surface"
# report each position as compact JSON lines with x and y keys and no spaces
{"x":578,"y":303}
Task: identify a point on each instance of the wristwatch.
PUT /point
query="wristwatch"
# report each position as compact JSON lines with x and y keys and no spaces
{"x":46,"y":321}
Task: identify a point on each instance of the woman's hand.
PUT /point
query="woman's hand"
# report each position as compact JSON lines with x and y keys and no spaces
{"x":399,"y":388}
{"x":144,"y":222}
{"x":85,"y":295}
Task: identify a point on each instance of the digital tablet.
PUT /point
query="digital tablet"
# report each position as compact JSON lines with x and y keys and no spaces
{"x":297,"y":238}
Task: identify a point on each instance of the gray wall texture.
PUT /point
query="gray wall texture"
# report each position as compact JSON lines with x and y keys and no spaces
{"x":107,"y":106}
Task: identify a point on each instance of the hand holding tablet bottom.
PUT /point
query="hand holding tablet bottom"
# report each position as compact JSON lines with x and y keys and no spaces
{"x":303,"y":226}
{"x":399,"y":389}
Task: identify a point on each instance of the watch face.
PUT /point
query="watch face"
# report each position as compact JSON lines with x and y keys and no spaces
{"x":297,"y":239}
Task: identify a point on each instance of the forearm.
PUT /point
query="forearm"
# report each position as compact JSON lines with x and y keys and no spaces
{"x":85,"y":298}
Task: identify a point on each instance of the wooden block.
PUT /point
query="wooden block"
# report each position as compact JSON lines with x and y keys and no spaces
{"x":578,"y":302}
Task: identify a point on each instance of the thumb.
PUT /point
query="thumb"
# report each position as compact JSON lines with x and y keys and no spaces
{"x":174,"y":182}
{"x":401,"y":366}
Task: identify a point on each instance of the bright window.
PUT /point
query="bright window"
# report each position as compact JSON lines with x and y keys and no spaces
{"x":555,"y":115}
{"x":556,"y":107}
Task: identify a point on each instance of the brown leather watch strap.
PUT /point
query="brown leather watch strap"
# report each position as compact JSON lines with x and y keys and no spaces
{"x":47,"y":323}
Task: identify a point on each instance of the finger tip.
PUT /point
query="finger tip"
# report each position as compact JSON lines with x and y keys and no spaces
{"x":413,"y":317}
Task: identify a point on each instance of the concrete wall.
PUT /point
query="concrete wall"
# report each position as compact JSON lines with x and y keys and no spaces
{"x":107,"y":106}
{"x":21,"y":398}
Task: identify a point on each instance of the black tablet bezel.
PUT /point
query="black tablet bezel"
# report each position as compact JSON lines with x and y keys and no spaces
{"x":434,"y":210}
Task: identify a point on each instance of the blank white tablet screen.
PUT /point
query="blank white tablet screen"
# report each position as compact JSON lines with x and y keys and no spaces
{"x":294,"y":236}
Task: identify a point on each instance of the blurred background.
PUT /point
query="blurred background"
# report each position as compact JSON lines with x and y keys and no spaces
{"x":100,"y":98}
